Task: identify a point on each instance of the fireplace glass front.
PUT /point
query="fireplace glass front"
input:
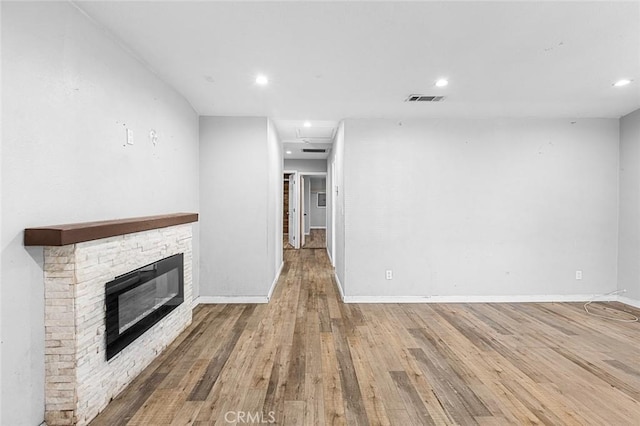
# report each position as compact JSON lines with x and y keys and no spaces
{"x":139,"y":299}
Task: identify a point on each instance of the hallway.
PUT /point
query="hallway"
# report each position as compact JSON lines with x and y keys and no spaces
{"x":315,"y":240}
{"x":307,"y":358}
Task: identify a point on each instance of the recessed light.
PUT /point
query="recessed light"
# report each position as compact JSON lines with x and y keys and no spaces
{"x":442,"y":82}
{"x":307,"y":124}
{"x":262,"y":80}
{"x":622,"y":82}
{"x":288,"y":152}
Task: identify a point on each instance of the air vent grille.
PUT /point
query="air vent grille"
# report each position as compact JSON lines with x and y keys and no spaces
{"x":314,"y":150}
{"x":424,"y":98}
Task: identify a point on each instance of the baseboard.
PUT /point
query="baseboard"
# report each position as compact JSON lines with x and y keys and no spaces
{"x":329,"y":256}
{"x":475,"y":299}
{"x":318,"y":227}
{"x":210,"y":300}
{"x":339,"y":286}
{"x":204,"y":300}
{"x":275,"y":281}
{"x":627,"y":301}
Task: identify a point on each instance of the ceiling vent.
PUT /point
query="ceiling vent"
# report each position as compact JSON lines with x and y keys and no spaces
{"x":314,"y":150}
{"x":424,"y":98}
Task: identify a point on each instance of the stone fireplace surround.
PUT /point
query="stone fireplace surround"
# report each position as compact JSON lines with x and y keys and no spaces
{"x":79,"y":259}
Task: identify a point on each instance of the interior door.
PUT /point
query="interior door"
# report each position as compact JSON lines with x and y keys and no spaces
{"x":293,"y":218}
{"x":332,"y":192}
{"x":303,"y":212}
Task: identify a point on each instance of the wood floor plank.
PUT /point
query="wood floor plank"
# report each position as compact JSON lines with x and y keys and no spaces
{"x":399,"y":418}
{"x":331,"y":386}
{"x":207,"y":381}
{"x":324,"y":314}
{"x":305,"y":358}
{"x":297,"y":361}
{"x":197,"y":346}
{"x":455,"y":406}
{"x":274,"y":398}
{"x":632,"y":371}
{"x":238,"y":372}
{"x":335,"y":300}
{"x":449,"y":369}
{"x":381,"y":386}
{"x":353,"y":405}
{"x":372,"y":396}
{"x":293,"y":413}
{"x":414,"y":406}
{"x":125,"y":406}
{"x":425,"y":389}
{"x":544,"y":412}
{"x":194,"y":336}
{"x":313,"y":392}
{"x":488,"y":344}
{"x":600,"y":373}
{"x":187,"y":414}
{"x":480,"y":312}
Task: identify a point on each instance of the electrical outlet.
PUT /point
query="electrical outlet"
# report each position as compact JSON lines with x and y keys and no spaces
{"x":389,"y":274}
{"x":578,"y":275}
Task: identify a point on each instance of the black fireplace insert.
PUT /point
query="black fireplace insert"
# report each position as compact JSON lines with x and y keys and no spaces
{"x":139,"y":299}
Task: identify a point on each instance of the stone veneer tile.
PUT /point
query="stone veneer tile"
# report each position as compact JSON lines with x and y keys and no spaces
{"x":79,"y":381}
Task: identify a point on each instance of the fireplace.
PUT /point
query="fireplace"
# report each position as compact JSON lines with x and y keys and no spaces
{"x":79,"y":259}
{"x":137,"y":300}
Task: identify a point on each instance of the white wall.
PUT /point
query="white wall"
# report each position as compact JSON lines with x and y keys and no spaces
{"x":306,"y":165}
{"x":275,"y":190}
{"x":318,"y":214}
{"x":629,"y":225}
{"x":68,"y":92}
{"x":1,"y":240}
{"x":480,"y":207}
{"x":318,"y":184}
{"x":337,"y":202}
{"x":238,"y":168}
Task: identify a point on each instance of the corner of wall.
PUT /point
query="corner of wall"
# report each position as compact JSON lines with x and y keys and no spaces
{"x":628,"y":268}
{"x":339,"y":205}
{"x":237,"y":156}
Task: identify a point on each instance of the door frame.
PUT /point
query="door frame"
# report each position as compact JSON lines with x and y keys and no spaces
{"x":294,"y":224}
{"x":331,"y":167}
{"x":297,"y":229}
{"x":299,"y":198}
{"x":302,"y":211}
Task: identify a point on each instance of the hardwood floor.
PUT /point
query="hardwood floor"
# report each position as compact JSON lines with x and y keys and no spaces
{"x":316,"y":239}
{"x":285,"y":242}
{"x":306,"y":358}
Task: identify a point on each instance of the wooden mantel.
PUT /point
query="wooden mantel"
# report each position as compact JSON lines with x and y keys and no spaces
{"x":61,"y":235}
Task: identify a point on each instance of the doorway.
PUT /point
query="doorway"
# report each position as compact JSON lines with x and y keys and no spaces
{"x":289,"y":219}
{"x":304,"y":210}
{"x":315,"y":207}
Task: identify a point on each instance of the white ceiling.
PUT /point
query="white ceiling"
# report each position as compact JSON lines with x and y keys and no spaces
{"x":295,"y":137}
{"x":332,"y":60}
